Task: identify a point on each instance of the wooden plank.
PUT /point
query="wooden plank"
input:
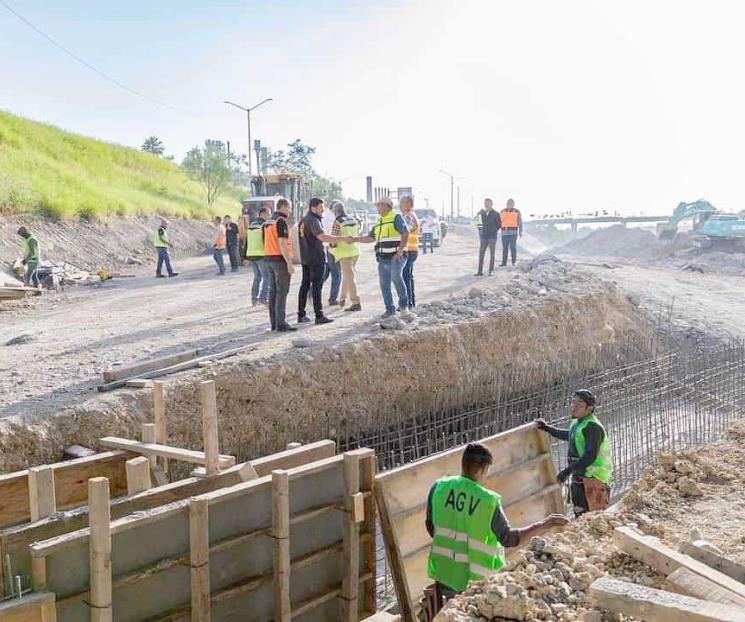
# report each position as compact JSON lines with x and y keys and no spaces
{"x":653,"y":605}
{"x":713,"y":560}
{"x":42,"y":501}
{"x":367,"y":484}
{"x":140,"y":383}
{"x":130,"y":371}
{"x":687,"y":582}
{"x":350,"y":542}
{"x":159,"y":418}
{"x":665,"y":560}
{"x":166,"y":451}
{"x":31,"y":608}
{"x":149,"y":435}
{"x":138,"y":475}
{"x":199,"y":537}
{"x":100,"y":550}
{"x":281,"y":535}
{"x":209,"y":427}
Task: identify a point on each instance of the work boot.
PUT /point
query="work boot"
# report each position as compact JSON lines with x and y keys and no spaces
{"x":286,"y":328}
{"x":354,"y":307}
{"x":173,"y":274}
{"x":479,"y":274}
{"x":303,"y":319}
{"x":387,"y":314}
{"x":333,"y":303}
{"x":160,"y":276}
{"x":322,"y":319}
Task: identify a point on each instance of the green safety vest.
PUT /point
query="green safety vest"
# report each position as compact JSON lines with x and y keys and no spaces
{"x":255,"y":237}
{"x":31,"y":256}
{"x":479,"y":219}
{"x":161,"y":242}
{"x":602,"y":468}
{"x":387,"y":239}
{"x":464,"y":547}
{"x":344,"y":250}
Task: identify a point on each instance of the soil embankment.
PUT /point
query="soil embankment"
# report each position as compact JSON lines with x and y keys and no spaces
{"x":541,"y":319}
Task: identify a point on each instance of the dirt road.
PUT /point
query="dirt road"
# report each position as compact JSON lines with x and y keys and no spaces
{"x":78,"y":333}
{"x":712,"y":304}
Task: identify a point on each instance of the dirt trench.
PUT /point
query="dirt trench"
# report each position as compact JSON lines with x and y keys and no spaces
{"x":315,"y":392}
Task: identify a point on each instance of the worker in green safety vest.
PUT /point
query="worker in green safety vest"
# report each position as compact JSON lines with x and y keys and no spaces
{"x":468,"y":526}
{"x":31,"y":256}
{"x":590,"y":464}
{"x":162,"y":243}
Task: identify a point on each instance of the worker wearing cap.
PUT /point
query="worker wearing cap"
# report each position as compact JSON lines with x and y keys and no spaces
{"x":162,"y":243}
{"x":590,"y":462}
{"x":511,"y":222}
{"x":468,"y":526}
{"x":31,"y":256}
{"x":390,"y":235}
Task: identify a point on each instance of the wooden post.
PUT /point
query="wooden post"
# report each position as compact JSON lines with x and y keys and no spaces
{"x":41,"y":492}
{"x":281,"y":535}
{"x":138,"y":475}
{"x":200,"y":559}
{"x":350,"y":581}
{"x":99,"y":518}
{"x":148,"y":436}
{"x":209,"y":427}
{"x":367,"y":484}
{"x":159,"y":416}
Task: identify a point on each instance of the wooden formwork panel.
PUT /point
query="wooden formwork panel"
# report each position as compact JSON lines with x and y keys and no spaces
{"x":15,"y":541}
{"x":151,"y":552}
{"x":523,"y":474}
{"x":33,"y":608}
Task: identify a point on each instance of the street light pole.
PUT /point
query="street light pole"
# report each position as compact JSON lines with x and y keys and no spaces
{"x":452,"y":182}
{"x":247,"y":110}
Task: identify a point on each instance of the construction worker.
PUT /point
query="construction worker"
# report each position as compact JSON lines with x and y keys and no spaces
{"x":590,"y":462}
{"x":231,"y":242}
{"x":31,"y":256}
{"x":406,"y":205}
{"x":428,"y":226}
{"x":512,"y":226}
{"x":162,"y":244}
{"x":346,"y":254}
{"x":218,"y":245}
{"x":278,"y":258}
{"x":332,"y":269}
{"x":311,"y":238}
{"x":255,"y":255}
{"x":468,"y":526}
{"x":488,"y":224}
{"x":390,"y":235}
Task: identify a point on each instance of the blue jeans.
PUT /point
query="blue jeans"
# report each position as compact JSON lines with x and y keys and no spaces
{"x":408,"y":275}
{"x":261,"y":282}
{"x":217,"y":256}
{"x":391,"y":270}
{"x":332,"y":268}
{"x":163,"y":258}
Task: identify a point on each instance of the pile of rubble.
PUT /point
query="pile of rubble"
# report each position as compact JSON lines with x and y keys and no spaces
{"x":685,"y":494}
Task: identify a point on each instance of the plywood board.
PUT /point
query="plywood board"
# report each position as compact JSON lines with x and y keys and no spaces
{"x":15,"y":540}
{"x":32,"y":608}
{"x":150,"y":558}
{"x":523,"y":474}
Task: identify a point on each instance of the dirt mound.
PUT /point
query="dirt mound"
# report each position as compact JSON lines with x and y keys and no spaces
{"x":616,"y":241}
{"x":687,"y":495}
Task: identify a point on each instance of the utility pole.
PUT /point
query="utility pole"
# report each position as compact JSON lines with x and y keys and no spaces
{"x":472,"y":214}
{"x":228,"y":154}
{"x":458,"y":201}
{"x":247,"y":110}
{"x":452,"y":183}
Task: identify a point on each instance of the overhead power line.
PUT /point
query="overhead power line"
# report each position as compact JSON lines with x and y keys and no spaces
{"x":85,"y":63}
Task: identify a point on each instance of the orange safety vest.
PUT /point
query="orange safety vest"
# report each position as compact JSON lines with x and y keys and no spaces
{"x":509,"y":219}
{"x":220,"y":242}
{"x":271,"y":239}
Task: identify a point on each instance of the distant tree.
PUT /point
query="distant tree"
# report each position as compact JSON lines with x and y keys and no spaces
{"x":296,"y":159}
{"x":153,"y":145}
{"x":211,"y":166}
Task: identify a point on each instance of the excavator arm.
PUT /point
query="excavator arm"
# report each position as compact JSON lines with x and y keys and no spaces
{"x":683,"y":212}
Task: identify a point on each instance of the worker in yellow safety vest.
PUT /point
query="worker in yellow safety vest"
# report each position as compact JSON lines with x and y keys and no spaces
{"x":255,"y":254}
{"x":468,"y":526}
{"x":590,"y":464}
{"x":31,"y":256}
{"x":346,"y":254}
{"x":162,"y":243}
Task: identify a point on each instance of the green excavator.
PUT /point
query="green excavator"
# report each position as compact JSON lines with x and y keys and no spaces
{"x":711,"y":228}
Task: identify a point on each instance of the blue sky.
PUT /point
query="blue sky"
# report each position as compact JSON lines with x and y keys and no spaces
{"x":582,"y":105}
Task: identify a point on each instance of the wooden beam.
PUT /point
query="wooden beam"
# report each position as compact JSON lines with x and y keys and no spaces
{"x":159,"y":418}
{"x":367,"y":484}
{"x":281,"y":535}
{"x":138,"y":475}
{"x":209,"y":427}
{"x":713,"y":560}
{"x":32,"y":608}
{"x":199,"y":538}
{"x":652,"y":605}
{"x":166,"y":451}
{"x":41,"y":497}
{"x":350,"y":542}
{"x":665,"y":560}
{"x":131,"y":371}
{"x":100,"y":550}
{"x":687,"y":582}
{"x":149,"y":435}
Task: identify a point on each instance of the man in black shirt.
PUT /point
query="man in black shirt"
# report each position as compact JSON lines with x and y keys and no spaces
{"x":231,"y":242}
{"x":488,"y":223}
{"x":313,"y":260}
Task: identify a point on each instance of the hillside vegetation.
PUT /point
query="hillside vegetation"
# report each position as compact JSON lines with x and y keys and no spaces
{"x":47,"y":171}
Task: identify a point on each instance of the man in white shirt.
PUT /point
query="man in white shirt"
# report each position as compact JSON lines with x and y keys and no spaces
{"x":428,"y":226}
{"x":332,"y":267}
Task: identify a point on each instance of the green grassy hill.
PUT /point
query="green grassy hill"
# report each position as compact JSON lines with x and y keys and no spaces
{"x":47,"y":171}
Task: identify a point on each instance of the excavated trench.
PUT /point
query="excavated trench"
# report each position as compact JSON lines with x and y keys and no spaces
{"x":358,"y":392}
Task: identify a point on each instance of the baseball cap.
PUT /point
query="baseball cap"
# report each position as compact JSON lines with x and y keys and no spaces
{"x":385,"y":201}
{"x":586,"y":396}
